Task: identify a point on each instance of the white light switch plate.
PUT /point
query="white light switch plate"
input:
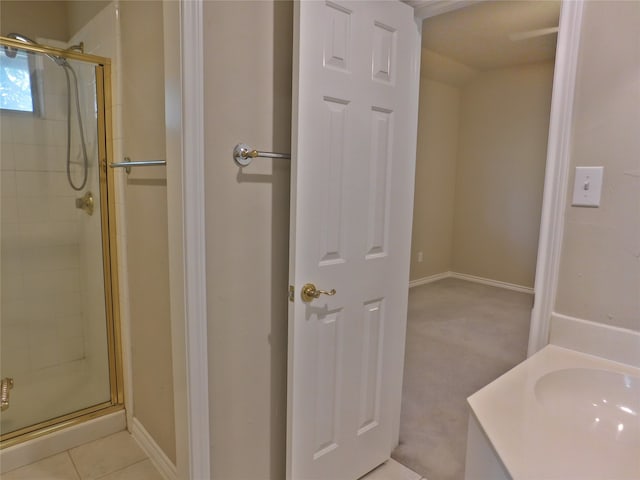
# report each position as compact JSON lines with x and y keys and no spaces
{"x":587,"y":187}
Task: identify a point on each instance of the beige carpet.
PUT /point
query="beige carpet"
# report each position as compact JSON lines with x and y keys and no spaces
{"x":460,"y":336}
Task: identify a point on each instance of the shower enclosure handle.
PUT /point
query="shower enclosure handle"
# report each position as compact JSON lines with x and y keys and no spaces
{"x":7,"y":384}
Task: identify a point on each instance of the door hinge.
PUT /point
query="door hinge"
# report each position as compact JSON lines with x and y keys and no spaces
{"x":292,"y":293}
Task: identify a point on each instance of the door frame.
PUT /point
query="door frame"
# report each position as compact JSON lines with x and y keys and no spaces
{"x":556,"y":186}
{"x":184,"y":116}
{"x":189,"y":304}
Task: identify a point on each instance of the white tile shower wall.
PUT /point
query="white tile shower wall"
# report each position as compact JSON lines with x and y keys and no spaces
{"x":100,"y":36}
{"x":41,"y":312}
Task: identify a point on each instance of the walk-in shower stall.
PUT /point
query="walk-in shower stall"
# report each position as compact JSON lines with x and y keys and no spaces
{"x":60,"y":358}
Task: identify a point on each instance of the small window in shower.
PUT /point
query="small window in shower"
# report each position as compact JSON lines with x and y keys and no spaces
{"x":18,"y":90}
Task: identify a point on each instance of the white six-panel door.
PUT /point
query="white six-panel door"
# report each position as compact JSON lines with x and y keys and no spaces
{"x":353,"y":159}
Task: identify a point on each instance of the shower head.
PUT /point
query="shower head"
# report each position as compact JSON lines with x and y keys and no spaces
{"x":12,"y":52}
{"x":22,"y":38}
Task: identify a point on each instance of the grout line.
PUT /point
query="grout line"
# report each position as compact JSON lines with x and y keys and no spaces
{"x":120,"y":469}
{"x":74,"y":464}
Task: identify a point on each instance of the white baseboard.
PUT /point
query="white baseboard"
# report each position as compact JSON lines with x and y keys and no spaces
{"x":57,"y":442}
{"x":614,"y":343}
{"x":159,"y":459}
{"x":492,"y":283}
{"x":429,"y":279}
{"x":470,"y":278}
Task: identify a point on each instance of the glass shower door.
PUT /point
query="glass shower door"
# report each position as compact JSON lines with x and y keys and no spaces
{"x":57,"y":352}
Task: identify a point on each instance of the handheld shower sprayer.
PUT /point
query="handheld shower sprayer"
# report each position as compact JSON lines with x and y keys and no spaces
{"x":11,"y":52}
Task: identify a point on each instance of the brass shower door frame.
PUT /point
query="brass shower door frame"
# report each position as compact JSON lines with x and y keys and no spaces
{"x":109,"y":251}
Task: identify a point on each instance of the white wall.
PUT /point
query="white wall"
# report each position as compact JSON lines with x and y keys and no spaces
{"x":247,"y":99}
{"x":480,"y":170}
{"x":600,"y":267}
{"x":504,"y":125}
{"x":436,"y":161}
{"x":39,"y":18}
{"x":56,"y":19}
{"x":143,"y":138}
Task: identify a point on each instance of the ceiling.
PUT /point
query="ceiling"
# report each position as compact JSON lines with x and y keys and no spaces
{"x":477,"y":36}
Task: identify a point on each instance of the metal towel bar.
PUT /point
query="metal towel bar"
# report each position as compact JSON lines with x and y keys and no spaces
{"x":243,"y":154}
{"x":127,"y":164}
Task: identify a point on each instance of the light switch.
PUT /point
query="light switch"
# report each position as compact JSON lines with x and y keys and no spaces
{"x":587,"y":187}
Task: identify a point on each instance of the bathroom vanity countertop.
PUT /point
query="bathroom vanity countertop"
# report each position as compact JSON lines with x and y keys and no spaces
{"x":564,"y":415}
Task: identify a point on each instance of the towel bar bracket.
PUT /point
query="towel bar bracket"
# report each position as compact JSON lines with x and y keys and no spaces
{"x":243,"y":154}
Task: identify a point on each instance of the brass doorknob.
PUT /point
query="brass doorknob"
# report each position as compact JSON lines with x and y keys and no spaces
{"x":309,"y":292}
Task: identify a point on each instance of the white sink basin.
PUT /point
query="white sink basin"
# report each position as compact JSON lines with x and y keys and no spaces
{"x":603,"y":402}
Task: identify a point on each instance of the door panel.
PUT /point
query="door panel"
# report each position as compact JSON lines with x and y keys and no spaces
{"x":353,"y":159}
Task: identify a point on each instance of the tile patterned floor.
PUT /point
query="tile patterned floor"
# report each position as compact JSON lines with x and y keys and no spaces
{"x":118,"y":457}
